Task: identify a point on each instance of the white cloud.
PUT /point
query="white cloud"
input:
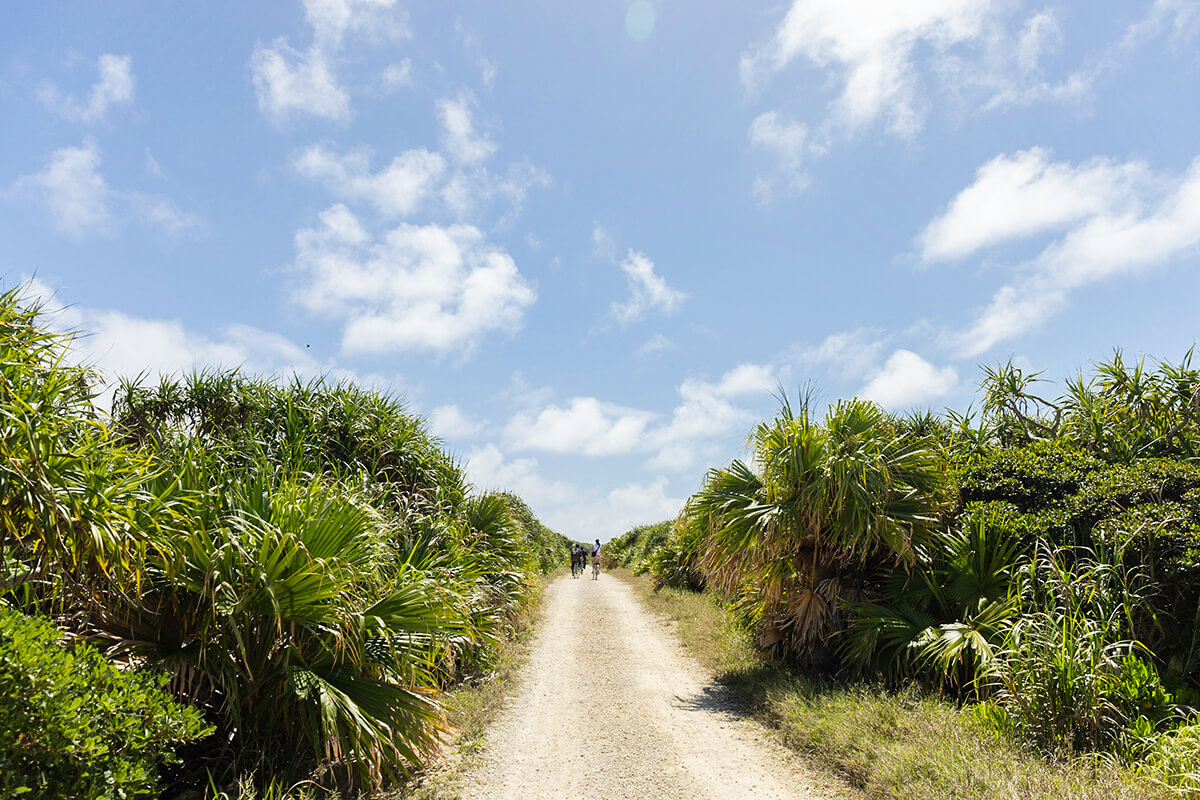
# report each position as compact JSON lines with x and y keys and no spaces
{"x":459,"y":137}
{"x":430,"y":288}
{"x":648,"y":291}
{"x":121,"y":345}
{"x":786,"y":142}
{"x":656,"y":345}
{"x":1024,"y":194}
{"x":872,"y":46}
{"x":376,"y":20}
{"x":114,"y":87}
{"x":907,"y":380}
{"x":586,"y":425}
{"x":488,"y":470}
{"x":73,"y":190}
{"x":580,"y":514}
{"x":396,"y":190}
{"x":1119,"y":219}
{"x":487,"y":73}
{"x":468,"y":192}
{"x":705,"y":415}
{"x":848,"y":354}
{"x":153,"y":168}
{"x":449,"y":422}
{"x":81,"y":203}
{"x":1181,"y":16}
{"x":288,"y":81}
{"x":1040,"y":35}
{"x":398,"y":76}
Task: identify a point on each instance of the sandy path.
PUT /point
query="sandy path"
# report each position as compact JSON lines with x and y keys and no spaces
{"x":649,"y":728}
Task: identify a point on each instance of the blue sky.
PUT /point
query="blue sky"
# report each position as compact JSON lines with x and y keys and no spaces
{"x":590,"y":240}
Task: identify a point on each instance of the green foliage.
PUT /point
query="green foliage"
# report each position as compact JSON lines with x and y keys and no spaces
{"x":792,"y":537}
{"x":1174,"y":760}
{"x":551,"y":550}
{"x":303,"y":559}
{"x":676,"y":562}
{"x":74,"y":725}
{"x":635,"y":547}
{"x":1072,"y":675}
{"x":946,"y":617}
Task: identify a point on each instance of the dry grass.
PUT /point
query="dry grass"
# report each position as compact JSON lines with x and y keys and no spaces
{"x":887,"y":745}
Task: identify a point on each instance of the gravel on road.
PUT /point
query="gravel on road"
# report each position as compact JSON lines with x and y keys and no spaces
{"x":610,"y":707}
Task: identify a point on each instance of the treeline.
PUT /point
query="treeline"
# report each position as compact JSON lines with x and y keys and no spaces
{"x":234,"y":580}
{"x":1038,"y":559}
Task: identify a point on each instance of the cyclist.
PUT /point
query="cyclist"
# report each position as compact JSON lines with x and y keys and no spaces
{"x":596,"y":560}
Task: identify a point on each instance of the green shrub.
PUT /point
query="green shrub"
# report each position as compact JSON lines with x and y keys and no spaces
{"x":1029,"y":477}
{"x":74,"y":726}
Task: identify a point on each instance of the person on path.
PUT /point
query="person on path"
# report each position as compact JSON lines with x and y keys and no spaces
{"x":596,"y":560}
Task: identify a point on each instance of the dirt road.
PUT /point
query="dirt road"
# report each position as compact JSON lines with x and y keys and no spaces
{"x":610,"y":707}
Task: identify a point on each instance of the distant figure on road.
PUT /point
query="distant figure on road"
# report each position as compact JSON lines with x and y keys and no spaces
{"x":596,"y":560}
{"x":578,"y":560}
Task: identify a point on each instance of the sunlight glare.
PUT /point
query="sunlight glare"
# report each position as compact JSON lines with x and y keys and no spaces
{"x":639,"y":20}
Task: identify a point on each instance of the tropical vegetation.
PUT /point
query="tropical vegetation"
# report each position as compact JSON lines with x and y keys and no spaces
{"x":290,"y":571}
{"x":1037,"y":560}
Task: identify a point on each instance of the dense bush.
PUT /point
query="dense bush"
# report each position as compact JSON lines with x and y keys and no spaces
{"x":634,"y":548}
{"x":77,"y":727}
{"x":303,"y":559}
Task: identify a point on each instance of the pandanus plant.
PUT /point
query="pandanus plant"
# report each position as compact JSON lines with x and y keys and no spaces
{"x":790,"y":533}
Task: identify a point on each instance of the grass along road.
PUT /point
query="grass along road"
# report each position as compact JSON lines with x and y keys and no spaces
{"x":609,"y":706}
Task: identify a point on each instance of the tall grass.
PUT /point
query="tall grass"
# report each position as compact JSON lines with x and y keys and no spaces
{"x":886,"y":745}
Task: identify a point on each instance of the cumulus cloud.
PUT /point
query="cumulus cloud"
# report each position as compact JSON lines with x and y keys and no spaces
{"x":81,"y":203}
{"x":449,"y":422}
{"x":707,"y":412}
{"x":121,"y":345}
{"x":585,"y":425}
{"x":871,"y":47}
{"x":425,"y":288}
{"x":396,"y":190}
{"x":1113,"y":219}
{"x":114,"y":87}
{"x":459,"y":137}
{"x":648,"y":291}
{"x":847,"y":354}
{"x":288,"y":81}
{"x":907,"y":380}
{"x":488,"y":469}
{"x":582,"y":514}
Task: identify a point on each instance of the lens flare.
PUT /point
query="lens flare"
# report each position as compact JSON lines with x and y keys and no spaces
{"x":639,"y":20}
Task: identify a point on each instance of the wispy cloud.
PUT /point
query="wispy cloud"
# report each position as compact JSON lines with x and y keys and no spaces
{"x":114,"y":87}
{"x":1113,"y":219}
{"x":648,"y":291}
{"x":81,"y":203}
